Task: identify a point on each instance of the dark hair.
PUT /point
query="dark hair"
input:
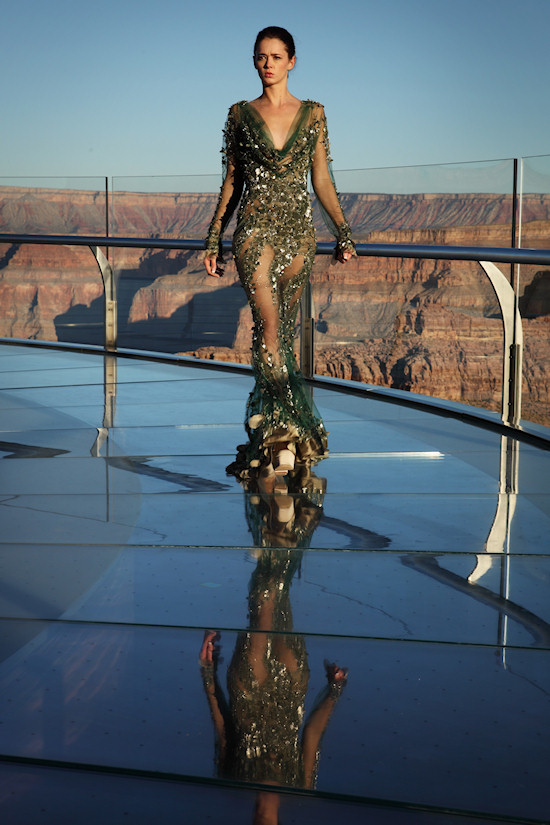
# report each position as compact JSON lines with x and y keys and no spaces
{"x":280,"y":34}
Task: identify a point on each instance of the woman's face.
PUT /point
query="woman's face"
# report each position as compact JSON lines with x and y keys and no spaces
{"x":272,"y":61}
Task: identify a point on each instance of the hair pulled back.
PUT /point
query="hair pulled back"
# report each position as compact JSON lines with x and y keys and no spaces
{"x":280,"y":34}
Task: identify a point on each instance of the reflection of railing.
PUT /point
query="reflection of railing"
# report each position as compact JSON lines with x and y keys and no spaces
{"x":487,"y":257}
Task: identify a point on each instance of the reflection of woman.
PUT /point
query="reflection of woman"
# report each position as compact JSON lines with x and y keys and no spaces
{"x":260,"y":735}
{"x":271,"y":143}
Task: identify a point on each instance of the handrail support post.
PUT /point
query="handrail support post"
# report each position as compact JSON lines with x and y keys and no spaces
{"x":111,"y":307}
{"x":307,"y":335}
{"x":515,"y":379}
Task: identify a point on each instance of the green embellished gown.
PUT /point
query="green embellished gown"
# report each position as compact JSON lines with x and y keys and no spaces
{"x":262,"y":735}
{"x":274,"y":249}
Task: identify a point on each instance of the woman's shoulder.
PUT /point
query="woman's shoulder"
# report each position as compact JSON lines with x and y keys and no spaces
{"x":314,"y":104}
{"x":317,"y":109}
{"x":235,"y":112}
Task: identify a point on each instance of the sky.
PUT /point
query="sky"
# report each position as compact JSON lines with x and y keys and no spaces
{"x":119,"y":88}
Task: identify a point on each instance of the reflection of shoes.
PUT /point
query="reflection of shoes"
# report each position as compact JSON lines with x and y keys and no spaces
{"x":280,"y":486}
{"x":266,"y":479}
{"x":284,"y":460}
{"x":283,"y":507}
{"x":282,"y":504}
{"x":274,"y":491}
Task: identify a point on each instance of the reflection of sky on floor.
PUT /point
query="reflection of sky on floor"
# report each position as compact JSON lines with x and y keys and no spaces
{"x":407,"y":558}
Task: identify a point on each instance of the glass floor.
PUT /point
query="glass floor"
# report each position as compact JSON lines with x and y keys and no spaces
{"x":371,"y":645}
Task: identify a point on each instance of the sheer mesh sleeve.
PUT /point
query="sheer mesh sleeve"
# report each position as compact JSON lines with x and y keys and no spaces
{"x":325,"y":189}
{"x":231,"y":189}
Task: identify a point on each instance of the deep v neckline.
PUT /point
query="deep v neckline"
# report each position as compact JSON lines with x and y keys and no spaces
{"x":291,"y":132}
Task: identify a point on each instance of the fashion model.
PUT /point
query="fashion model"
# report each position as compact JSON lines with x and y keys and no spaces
{"x":271,"y":144}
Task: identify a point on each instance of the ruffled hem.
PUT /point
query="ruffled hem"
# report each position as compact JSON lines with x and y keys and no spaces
{"x":255,"y":456}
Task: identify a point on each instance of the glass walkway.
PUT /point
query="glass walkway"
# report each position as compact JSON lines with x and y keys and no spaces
{"x":369,"y":645}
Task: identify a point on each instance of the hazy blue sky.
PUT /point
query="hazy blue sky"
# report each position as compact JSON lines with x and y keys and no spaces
{"x":112,"y":87}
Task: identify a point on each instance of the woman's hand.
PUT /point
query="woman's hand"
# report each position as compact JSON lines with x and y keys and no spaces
{"x":344,"y":255}
{"x":335,"y":674}
{"x":210,"y":647}
{"x":344,"y":251}
{"x":214,"y":266}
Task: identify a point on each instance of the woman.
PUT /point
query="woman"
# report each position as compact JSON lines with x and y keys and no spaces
{"x":271,"y":144}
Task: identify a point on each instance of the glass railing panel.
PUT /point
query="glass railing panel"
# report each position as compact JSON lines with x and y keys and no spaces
{"x":166,"y":301}
{"x":533,"y":288}
{"x":51,"y":293}
{"x":53,"y":206}
{"x":459,"y":204}
{"x":431,"y":327}
{"x":164,"y":206}
{"x":428,"y":327}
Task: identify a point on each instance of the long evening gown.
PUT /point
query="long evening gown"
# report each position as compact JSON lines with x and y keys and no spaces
{"x":274,"y":249}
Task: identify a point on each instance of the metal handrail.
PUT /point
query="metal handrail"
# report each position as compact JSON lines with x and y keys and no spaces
{"x":496,"y":254}
{"x":485,"y":256}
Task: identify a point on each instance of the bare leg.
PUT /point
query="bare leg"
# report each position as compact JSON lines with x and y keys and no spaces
{"x":257,"y":651}
{"x":265,"y":310}
{"x":267,"y":809}
{"x":290,"y":287}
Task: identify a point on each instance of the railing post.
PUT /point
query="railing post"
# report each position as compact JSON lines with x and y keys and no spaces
{"x":109,"y":287}
{"x":307,"y":338}
{"x":516,"y":378}
{"x":514,"y":237}
{"x":107,"y":211}
{"x":513,"y":344}
{"x":516,"y":349}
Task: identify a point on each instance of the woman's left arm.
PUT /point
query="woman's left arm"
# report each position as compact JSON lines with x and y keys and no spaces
{"x":324,"y":188}
{"x":208,"y":660}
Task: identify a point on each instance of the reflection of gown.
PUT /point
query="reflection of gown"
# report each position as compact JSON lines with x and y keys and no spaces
{"x":274,"y":248}
{"x":267,"y":717}
{"x":263,"y":721}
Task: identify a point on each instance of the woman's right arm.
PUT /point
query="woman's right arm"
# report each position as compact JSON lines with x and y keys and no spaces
{"x":230,"y":194}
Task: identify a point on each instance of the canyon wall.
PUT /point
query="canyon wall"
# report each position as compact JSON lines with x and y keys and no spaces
{"x":431,"y":327}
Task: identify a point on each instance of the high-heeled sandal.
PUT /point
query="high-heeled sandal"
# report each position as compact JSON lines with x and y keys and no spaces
{"x":284,"y":460}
